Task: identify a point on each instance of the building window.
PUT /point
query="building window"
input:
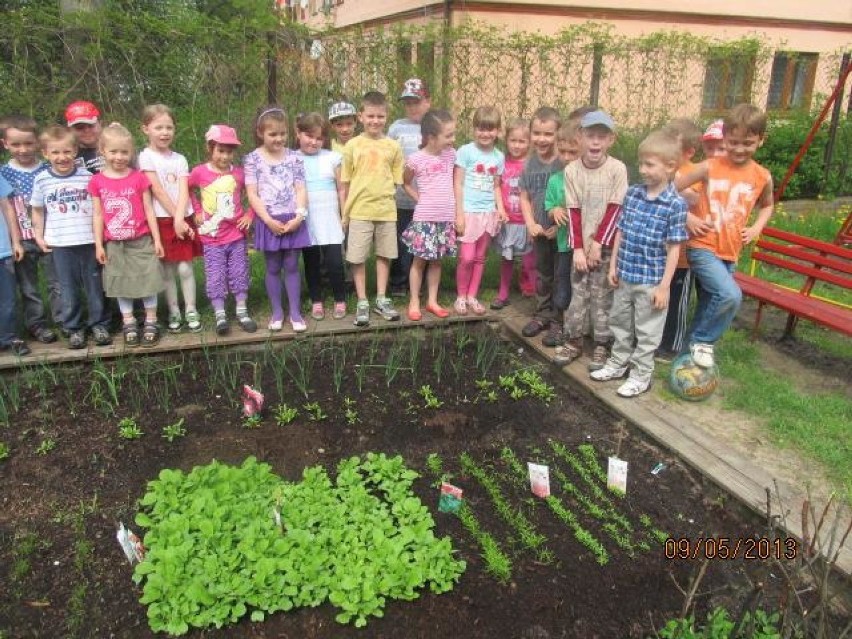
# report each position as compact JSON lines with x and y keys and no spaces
{"x":792,"y":81}
{"x":727,"y":81}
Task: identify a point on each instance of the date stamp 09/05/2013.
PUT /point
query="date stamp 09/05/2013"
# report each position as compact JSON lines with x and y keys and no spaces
{"x":729,"y":548}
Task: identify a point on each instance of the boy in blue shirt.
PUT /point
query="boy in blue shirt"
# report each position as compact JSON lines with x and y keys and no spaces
{"x":11,"y":251}
{"x":20,"y":138}
{"x":647,"y":244}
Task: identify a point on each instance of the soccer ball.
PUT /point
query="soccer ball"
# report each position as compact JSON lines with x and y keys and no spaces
{"x":691,"y":382}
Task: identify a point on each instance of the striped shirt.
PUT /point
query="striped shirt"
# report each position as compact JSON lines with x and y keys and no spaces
{"x":67,"y":207}
{"x":21,"y":179}
{"x":647,"y":226}
{"x":591,"y":191}
{"x":434,"y":175}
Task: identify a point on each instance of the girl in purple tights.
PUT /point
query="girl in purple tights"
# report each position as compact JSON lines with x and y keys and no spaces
{"x":275,"y":184}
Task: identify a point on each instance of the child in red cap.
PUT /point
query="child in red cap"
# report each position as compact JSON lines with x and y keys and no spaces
{"x":84,"y":119}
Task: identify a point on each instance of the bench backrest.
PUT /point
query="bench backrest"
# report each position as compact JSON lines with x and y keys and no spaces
{"x":816,"y":260}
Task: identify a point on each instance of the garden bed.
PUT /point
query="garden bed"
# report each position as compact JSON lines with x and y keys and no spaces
{"x":585,"y":563}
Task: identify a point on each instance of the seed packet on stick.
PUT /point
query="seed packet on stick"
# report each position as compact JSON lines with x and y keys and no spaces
{"x":252,"y":401}
{"x":616,"y":476}
{"x":451,"y":498}
{"x":539,"y":480}
{"x":130,"y":544}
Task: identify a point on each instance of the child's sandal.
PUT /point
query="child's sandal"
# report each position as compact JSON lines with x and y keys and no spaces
{"x":131,"y":335}
{"x":150,"y":334}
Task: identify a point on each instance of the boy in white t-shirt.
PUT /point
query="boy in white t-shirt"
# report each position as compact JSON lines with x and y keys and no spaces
{"x":62,"y":222}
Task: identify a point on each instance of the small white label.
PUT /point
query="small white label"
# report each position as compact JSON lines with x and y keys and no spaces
{"x":130,"y":544}
{"x":539,"y":480}
{"x":616,"y":476}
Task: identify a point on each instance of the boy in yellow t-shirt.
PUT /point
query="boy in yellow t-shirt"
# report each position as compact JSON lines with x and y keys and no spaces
{"x":371,"y":171}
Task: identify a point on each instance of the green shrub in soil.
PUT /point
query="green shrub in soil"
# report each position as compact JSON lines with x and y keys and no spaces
{"x":226,"y":541}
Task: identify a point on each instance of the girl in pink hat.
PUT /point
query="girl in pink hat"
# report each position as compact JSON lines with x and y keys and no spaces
{"x":216,"y":193}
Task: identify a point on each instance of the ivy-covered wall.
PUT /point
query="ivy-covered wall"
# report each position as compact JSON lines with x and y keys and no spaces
{"x":210,"y":61}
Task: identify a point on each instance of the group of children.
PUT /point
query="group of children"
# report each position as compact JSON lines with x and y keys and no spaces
{"x":601,"y":258}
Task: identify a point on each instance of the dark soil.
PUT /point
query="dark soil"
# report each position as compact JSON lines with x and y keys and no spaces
{"x":63,"y":574}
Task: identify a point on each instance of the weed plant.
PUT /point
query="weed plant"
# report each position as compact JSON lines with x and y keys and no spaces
{"x":46,"y":446}
{"x":315,"y":412}
{"x":284,"y":414}
{"x":429,"y":397}
{"x":252,"y":422}
{"x":174,"y":431}
{"x":128,"y":429}
{"x":4,"y":451}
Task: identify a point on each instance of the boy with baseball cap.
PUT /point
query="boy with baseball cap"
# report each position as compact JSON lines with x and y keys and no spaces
{"x":342,"y":117}
{"x":83,"y":118}
{"x":415,"y":100}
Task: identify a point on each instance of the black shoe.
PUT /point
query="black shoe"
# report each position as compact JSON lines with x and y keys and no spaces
{"x":532,"y":328}
{"x":101,"y":336}
{"x":17,"y":346}
{"x":498,"y":304}
{"x":554,"y":336}
{"x":222,"y":327}
{"x":44,"y":335}
{"x":77,"y":340}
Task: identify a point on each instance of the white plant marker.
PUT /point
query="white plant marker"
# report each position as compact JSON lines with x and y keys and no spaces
{"x":539,"y":479}
{"x":616,"y":475}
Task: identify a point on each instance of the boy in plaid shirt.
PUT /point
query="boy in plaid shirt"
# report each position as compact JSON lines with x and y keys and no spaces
{"x":647,"y":244}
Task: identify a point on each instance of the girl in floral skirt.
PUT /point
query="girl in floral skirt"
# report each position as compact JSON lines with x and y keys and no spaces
{"x":432,"y":233}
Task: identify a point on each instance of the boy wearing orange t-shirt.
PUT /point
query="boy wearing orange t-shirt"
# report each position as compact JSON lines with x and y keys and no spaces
{"x":735,"y":185}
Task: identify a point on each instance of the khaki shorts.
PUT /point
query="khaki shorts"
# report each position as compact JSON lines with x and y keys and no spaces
{"x":362,"y":235}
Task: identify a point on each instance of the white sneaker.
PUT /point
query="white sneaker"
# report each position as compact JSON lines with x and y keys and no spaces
{"x":633,"y":387}
{"x":608,"y":372}
{"x":702,"y":355}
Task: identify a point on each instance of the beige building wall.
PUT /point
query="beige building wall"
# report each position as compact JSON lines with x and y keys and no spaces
{"x":635,"y":90}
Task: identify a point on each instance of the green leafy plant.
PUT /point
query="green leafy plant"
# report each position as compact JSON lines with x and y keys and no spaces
{"x":128,"y":429}
{"x":4,"y":450}
{"x":284,"y":414}
{"x":252,"y":421}
{"x":314,"y":411}
{"x":429,"y":397}
{"x":342,"y":543}
{"x":351,"y":413}
{"x":173,"y":431}
{"x":45,"y":446}
{"x":756,"y":625}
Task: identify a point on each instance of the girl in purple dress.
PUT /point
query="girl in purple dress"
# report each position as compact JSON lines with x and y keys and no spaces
{"x":275,"y":184}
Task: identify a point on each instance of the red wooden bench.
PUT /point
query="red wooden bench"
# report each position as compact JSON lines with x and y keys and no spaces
{"x":817,"y":261}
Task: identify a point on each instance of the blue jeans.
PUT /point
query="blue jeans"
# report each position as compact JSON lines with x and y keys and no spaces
{"x":562,"y":263}
{"x":8,"y":317}
{"x":78,"y":269}
{"x":720,"y":298}
{"x":26,"y":272}
{"x":401,"y":266}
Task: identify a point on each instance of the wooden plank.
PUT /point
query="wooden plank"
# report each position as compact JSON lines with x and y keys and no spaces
{"x":58,"y":352}
{"x":706,"y":454}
